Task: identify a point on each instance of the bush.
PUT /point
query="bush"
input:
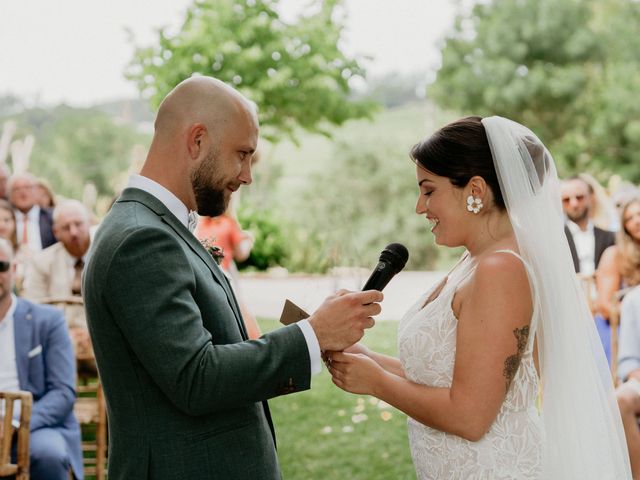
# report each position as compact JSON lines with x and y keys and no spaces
{"x":269,"y":248}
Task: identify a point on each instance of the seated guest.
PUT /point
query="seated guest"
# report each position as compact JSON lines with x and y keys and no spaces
{"x":55,"y":272}
{"x":36,"y":356}
{"x":628,"y":394}
{"x":619,"y":267}
{"x":33,"y":223}
{"x":620,"y":263}
{"x":586,"y":241}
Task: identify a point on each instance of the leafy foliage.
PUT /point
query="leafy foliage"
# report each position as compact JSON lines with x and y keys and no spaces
{"x":368,"y":195}
{"x":74,"y":146}
{"x":295,"y":73}
{"x":269,"y":248}
{"x":568,"y":69}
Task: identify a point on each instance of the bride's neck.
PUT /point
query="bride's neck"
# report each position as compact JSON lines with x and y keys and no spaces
{"x":492,"y":233}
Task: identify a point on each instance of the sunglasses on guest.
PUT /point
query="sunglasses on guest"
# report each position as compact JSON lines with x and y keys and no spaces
{"x":4,"y":265}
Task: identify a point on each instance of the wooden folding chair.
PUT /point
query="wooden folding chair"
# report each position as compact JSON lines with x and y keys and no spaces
{"x":90,"y":410}
{"x":588,"y":284}
{"x":20,"y":469}
{"x":90,"y":407}
{"x":614,"y":323}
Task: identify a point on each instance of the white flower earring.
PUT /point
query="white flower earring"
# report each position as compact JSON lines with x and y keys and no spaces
{"x":474,"y":204}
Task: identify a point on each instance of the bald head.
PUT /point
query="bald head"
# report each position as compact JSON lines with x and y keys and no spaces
{"x":71,"y":227}
{"x":204,"y":132}
{"x":203,"y":100}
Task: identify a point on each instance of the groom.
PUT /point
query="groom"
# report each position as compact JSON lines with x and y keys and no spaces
{"x":186,"y":391}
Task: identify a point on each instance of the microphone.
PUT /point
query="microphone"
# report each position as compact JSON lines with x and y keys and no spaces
{"x":392,"y":259}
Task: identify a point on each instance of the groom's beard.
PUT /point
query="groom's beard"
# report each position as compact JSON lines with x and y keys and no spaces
{"x":210,"y":195}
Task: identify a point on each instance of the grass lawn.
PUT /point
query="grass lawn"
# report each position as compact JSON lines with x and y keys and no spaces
{"x":327,"y":434}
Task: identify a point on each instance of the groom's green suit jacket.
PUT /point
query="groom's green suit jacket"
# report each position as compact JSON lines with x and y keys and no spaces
{"x":185,"y":391}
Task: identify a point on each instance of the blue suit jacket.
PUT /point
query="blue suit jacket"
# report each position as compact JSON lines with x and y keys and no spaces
{"x":46,"y":368}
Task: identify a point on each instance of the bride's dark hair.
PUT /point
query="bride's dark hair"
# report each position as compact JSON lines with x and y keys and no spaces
{"x":459,"y":151}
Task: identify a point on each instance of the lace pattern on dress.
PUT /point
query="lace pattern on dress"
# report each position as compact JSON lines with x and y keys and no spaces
{"x":512,"y":448}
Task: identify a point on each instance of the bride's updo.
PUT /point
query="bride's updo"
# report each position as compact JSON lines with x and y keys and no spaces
{"x":460,"y":151}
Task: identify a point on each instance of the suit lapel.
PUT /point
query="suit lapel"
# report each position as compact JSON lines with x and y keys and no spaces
{"x":134,"y":194}
{"x":22,"y":331}
{"x":197,"y":247}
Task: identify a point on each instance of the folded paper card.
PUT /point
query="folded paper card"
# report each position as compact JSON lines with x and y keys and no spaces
{"x":291,"y":313}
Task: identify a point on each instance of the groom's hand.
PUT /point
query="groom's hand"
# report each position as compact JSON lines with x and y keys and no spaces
{"x":342,"y":318}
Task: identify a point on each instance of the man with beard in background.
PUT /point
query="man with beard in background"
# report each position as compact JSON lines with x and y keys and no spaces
{"x":586,"y":241}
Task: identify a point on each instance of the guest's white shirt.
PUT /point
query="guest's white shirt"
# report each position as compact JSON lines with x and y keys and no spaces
{"x":585,"y":242}
{"x":9,"y":380}
{"x":179,"y":209}
{"x":33,"y":228}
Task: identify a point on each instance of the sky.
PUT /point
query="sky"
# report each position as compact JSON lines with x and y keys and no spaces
{"x":75,"y":51}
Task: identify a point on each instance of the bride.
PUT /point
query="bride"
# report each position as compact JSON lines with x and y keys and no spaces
{"x":473,"y":348}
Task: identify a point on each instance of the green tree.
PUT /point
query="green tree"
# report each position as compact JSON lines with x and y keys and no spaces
{"x":568,"y":69}
{"x":75,"y":146}
{"x":295,"y":72}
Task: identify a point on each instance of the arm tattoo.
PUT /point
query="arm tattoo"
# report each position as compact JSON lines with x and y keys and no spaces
{"x":512,"y":362}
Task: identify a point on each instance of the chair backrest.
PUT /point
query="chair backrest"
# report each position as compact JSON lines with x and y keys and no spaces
{"x":588,"y":284}
{"x":614,"y":323}
{"x":90,"y":408}
{"x":21,"y":468}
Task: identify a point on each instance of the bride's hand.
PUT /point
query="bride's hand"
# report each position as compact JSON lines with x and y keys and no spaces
{"x":355,"y":373}
{"x":358,"y":348}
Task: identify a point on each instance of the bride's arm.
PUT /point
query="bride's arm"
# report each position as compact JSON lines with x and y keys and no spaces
{"x":491,"y":336}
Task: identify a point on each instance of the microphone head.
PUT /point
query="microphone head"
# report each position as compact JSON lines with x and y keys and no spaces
{"x":396,"y":255}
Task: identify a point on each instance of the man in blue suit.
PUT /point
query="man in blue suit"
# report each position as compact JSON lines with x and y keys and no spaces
{"x":36,"y":356}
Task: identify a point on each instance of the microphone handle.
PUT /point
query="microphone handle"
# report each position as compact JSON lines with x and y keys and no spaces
{"x":379,"y":277}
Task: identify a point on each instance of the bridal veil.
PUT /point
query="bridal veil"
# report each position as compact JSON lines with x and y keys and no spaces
{"x":584,"y":438}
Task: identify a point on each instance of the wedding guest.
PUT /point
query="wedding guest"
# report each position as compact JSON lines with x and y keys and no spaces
{"x":620,"y":263}
{"x":587,"y":242}
{"x":603,"y":213}
{"x":467,"y":373}
{"x":36,"y":355}
{"x":55,"y":274}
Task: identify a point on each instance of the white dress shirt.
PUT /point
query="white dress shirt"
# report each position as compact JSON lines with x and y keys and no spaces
{"x":33,"y":228}
{"x":585,"y":242}
{"x":181,"y":212}
{"x":9,"y":380}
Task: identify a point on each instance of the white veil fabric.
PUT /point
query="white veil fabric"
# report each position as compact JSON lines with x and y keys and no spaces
{"x":583,"y":433}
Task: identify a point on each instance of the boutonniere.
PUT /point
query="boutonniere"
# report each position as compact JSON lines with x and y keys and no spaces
{"x":215,"y":251}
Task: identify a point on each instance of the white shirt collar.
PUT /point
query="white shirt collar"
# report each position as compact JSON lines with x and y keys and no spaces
{"x":168,"y":199}
{"x":575,"y":229}
{"x":33,"y":215}
{"x":8,"y":317}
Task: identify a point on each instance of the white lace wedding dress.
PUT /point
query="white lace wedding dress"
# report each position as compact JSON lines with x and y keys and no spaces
{"x":512,"y":448}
